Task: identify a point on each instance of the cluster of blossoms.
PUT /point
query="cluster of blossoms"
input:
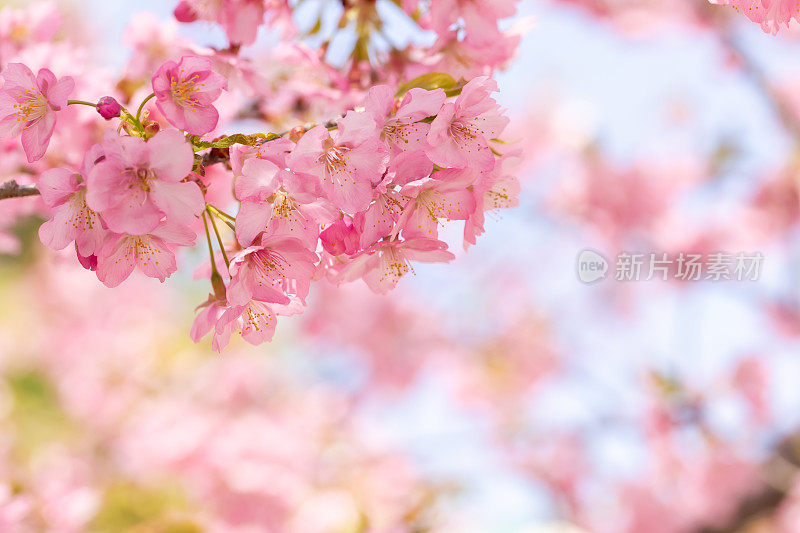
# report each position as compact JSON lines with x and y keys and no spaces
{"x":360,"y":197}
{"x":468,"y":41}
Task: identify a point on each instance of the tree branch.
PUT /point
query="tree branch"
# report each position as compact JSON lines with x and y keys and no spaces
{"x":12,"y":189}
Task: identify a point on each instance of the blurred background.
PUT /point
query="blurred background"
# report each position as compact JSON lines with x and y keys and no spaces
{"x":499,"y":393}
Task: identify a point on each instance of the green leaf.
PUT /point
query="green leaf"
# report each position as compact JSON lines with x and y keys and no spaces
{"x":434,"y":80}
{"x":230,"y":140}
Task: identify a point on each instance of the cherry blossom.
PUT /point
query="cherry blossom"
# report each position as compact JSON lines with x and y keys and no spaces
{"x":435,"y":199}
{"x":268,"y":271}
{"x":385,"y":264}
{"x":185,"y":91}
{"x":64,"y":192}
{"x":153,"y":253}
{"x":404,"y":128}
{"x":28,"y":106}
{"x":255,"y":321}
{"x":138,"y":183}
{"x":460,"y":133}
{"x":347,"y":164}
{"x":360,"y":191}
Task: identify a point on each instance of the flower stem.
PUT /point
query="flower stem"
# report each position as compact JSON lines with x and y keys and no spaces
{"x":141,"y":106}
{"x":81,"y":102}
{"x":219,"y":237}
{"x":210,"y":247}
{"x":221,"y":214}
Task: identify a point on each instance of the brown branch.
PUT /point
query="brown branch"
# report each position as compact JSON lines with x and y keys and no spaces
{"x":12,"y":189}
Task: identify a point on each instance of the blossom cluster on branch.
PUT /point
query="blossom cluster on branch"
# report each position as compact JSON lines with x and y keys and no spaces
{"x":358,"y":197}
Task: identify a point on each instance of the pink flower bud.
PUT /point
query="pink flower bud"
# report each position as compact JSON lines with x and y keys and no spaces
{"x":185,"y":13}
{"x":108,"y":107}
{"x":341,"y":237}
{"x":87,"y":262}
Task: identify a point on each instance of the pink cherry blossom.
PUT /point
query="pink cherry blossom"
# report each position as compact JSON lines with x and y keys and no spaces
{"x":206,"y":321}
{"x":255,"y":320}
{"x":469,"y":57}
{"x":185,"y":91}
{"x":442,"y":197}
{"x":258,"y":181}
{"x":498,"y":189}
{"x":274,"y":200}
{"x":153,"y":253}
{"x":299,"y":214}
{"x":268,"y":272}
{"x":384,"y":265}
{"x":460,"y":134}
{"x":347,"y":164}
{"x":138,"y":183}
{"x":345,"y":189}
{"x":381,"y":217}
{"x":21,"y":29}
{"x":64,"y":192}
{"x":403,"y":129}
{"x":28,"y":105}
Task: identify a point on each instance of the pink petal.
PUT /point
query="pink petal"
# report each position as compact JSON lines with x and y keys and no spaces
{"x":58,"y":93}
{"x":103,"y":184}
{"x":56,"y":185}
{"x":420,"y":103}
{"x":134,"y":214}
{"x":440,"y":127}
{"x":175,"y":234}
{"x":171,"y":156}
{"x":259,"y":179}
{"x":36,"y":137}
{"x":17,"y":76}
{"x":379,"y":103}
{"x":252,"y":219}
{"x":201,"y":120}
{"x":155,"y":259}
{"x":258,"y":323}
{"x":117,"y":261}
{"x":181,"y":202}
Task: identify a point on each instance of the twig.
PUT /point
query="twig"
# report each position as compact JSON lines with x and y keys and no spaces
{"x":12,"y":189}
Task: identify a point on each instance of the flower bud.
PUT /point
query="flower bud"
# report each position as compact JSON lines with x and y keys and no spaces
{"x":87,"y":262}
{"x":150,"y":129}
{"x":184,"y":12}
{"x":108,"y":107}
{"x":341,"y":237}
